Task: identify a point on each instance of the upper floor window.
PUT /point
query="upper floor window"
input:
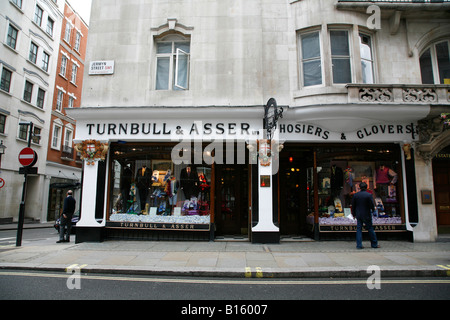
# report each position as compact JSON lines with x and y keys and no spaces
{"x":340,"y":56}
{"x":172,"y":63}
{"x":23,"y":133}
{"x":33,"y":52}
{"x":5,"y":83}
{"x":2,"y":123}
{"x":435,"y":64}
{"x":11,"y":38}
{"x":74,"y":73}
{"x":50,"y":24}
{"x":38,"y":12}
{"x":343,"y":63}
{"x":77,"y":41}
{"x":311,"y":59}
{"x":67,"y":32}
{"x":63,"y":68}
{"x":367,"y":62}
{"x":17,"y":3}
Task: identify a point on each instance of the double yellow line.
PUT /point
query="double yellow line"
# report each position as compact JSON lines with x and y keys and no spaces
{"x":446,"y":267}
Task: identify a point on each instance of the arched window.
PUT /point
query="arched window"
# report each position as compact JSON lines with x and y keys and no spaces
{"x":435,"y":63}
{"x":172,"y":63}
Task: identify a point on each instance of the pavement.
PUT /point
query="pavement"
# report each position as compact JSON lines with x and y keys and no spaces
{"x":290,"y":258}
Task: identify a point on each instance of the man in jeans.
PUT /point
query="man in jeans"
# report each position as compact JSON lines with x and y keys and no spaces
{"x":362,"y":206}
{"x":66,"y":218}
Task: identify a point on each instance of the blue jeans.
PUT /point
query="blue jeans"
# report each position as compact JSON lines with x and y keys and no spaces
{"x":373,"y":237}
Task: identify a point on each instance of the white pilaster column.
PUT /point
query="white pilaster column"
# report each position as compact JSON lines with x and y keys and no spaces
{"x":265,"y":203}
{"x":89,"y":195}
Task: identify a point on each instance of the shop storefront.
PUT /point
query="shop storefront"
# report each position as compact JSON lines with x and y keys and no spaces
{"x":318,"y":180}
{"x":168,"y":178}
{"x":200,"y":178}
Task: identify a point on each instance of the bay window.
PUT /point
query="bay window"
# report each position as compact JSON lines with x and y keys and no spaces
{"x":336,"y":56}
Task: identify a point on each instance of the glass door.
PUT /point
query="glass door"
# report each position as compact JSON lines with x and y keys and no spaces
{"x":231,"y":206}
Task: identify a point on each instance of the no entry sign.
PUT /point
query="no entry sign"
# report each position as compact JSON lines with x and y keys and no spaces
{"x":27,"y":157}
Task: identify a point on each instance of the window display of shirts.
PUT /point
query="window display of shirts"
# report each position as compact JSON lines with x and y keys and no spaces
{"x":384,"y":174}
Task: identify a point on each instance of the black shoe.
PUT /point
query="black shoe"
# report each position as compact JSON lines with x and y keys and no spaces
{"x":60,"y":241}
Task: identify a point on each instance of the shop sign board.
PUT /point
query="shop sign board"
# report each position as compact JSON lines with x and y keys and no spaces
{"x":170,"y":130}
{"x":207,"y":130}
{"x":297,"y":131}
{"x":159,"y":226}
{"x":101,"y":67}
{"x":352,"y":228}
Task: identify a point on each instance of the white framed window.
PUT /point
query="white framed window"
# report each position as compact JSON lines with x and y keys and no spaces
{"x":67,"y":32}
{"x":11,"y":37}
{"x":346,"y":60}
{"x":38,"y":13}
{"x":36,"y":139}
{"x":23,"y":133}
{"x":50,"y":24}
{"x":68,"y":136}
{"x":28,"y":91}
{"x":340,"y":56}
{"x":74,"y":73}
{"x":367,"y":59}
{"x":71,"y":102}
{"x":77,"y":41}
{"x":32,"y":56}
{"x":172,"y":63}
{"x":63,"y":68}
{"x":18,"y":3}
{"x":33,"y":94}
{"x":40,"y":100}
{"x":56,"y":134}
{"x":2,"y":123}
{"x":435,"y":63}
{"x":45,"y":61}
{"x":5,"y":80}
{"x":59,"y":100}
{"x":311,"y":61}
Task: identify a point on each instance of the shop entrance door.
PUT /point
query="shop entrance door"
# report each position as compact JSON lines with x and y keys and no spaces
{"x":231,"y":205}
{"x":293,"y":190}
{"x":441,"y":176}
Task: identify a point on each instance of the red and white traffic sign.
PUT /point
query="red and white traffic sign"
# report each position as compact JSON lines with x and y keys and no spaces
{"x":2,"y":183}
{"x":27,"y":157}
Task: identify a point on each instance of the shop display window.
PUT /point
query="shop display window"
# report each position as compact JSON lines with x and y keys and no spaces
{"x":147,"y":186}
{"x":339,"y":173}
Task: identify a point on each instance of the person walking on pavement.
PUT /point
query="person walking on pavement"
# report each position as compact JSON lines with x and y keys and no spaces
{"x":65,"y":225}
{"x":362,"y":207}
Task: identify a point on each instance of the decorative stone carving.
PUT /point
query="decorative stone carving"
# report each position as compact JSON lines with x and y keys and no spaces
{"x":375,"y":95}
{"x":426,"y":95}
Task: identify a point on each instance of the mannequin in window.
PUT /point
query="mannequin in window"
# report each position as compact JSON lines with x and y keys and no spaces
{"x":384,"y":174}
{"x":125,"y":185}
{"x":336,"y":179}
{"x":189,"y":181}
{"x":143,"y":178}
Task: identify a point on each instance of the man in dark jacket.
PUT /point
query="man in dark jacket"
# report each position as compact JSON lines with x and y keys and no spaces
{"x":65,"y":225}
{"x":362,"y":207}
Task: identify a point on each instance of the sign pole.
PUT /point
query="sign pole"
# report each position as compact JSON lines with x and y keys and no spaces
{"x":24,"y":192}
